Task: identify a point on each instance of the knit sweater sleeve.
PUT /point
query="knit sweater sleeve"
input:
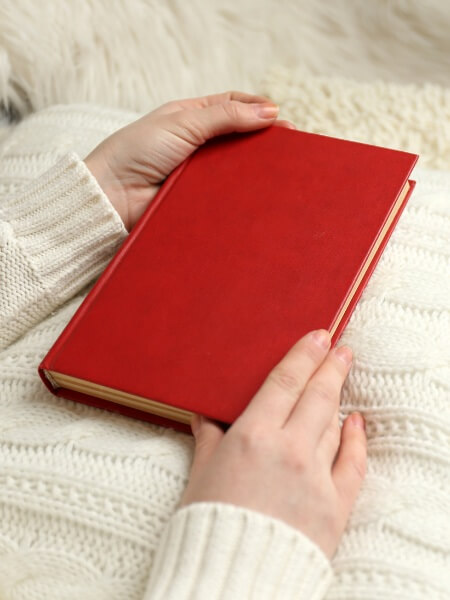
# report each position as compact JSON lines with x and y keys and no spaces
{"x":218,"y":551}
{"x":57,"y":234}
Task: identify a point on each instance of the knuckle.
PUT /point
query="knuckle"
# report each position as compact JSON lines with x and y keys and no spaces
{"x":232,"y":109}
{"x":251,"y":437}
{"x":312,"y":350}
{"x":297,"y":462}
{"x":285,"y":379}
{"x":338,"y":365}
{"x":296,"y":456}
{"x":322,"y":391}
{"x":193,"y":131}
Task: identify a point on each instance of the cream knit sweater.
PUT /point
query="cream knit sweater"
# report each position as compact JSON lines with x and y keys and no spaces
{"x":88,"y":498}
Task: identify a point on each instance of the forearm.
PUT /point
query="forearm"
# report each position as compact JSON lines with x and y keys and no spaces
{"x":57,"y":234}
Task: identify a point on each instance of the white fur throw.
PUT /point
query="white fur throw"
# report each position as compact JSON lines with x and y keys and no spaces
{"x":136,"y":54}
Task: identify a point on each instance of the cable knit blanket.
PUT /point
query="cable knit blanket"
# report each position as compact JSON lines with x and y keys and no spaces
{"x":399,"y":536}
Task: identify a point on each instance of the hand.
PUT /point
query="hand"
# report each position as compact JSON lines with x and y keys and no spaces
{"x":131,"y":164}
{"x":285,"y":455}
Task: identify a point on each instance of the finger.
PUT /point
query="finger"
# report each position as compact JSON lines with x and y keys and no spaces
{"x":321,"y":397}
{"x":350,"y":467}
{"x":284,"y":123}
{"x":210,"y":100}
{"x":207,"y":436}
{"x":200,"y":124}
{"x":280,"y":391}
{"x":330,"y":441}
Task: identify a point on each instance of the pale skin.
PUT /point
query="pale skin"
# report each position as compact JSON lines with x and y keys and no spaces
{"x":286,"y":455}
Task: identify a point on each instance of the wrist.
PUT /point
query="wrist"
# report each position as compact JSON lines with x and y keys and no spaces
{"x":66,"y":228}
{"x":110,"y":184}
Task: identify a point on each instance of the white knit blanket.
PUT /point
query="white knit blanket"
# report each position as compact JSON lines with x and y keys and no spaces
{"x":400,"y":333}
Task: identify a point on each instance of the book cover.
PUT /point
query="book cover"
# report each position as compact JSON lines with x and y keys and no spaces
{"x":254,"y":240}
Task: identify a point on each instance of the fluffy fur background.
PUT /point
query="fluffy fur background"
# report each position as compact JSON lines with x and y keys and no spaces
{"x":137,"y":54}
{"x":413,"y":117}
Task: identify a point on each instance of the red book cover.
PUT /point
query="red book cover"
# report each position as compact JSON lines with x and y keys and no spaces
{"x":256,"y":239}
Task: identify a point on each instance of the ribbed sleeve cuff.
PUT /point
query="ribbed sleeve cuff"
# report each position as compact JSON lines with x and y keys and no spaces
{"x":218,"y":551}
{"x":67,"y":226}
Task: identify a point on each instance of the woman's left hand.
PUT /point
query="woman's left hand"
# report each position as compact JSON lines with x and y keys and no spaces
{"x":131,"y":164}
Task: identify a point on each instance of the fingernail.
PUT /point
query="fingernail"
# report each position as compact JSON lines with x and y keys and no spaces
{"x":344,"y":353}
{"x":358,"y":421}
{"x":322,"y":338}
{"x":268,"y":110}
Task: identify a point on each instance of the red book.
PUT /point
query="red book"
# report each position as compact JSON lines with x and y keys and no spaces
{"x":256,"y":239}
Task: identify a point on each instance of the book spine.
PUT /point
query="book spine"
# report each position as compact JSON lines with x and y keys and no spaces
{"x":121,"y":409}
{"x":50,"y":358}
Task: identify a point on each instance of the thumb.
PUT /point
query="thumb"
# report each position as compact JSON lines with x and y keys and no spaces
{"x":207,"y":437}
{"x":200,"y":124}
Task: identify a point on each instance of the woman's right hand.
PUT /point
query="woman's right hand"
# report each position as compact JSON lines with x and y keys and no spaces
{"x":286,"y":455}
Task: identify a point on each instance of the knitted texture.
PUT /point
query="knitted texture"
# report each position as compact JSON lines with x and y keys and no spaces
{"x":87,"y":496}
{"x":222,"y":552}
{"x":397,"y":543}
{"x":37,"y":244}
